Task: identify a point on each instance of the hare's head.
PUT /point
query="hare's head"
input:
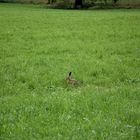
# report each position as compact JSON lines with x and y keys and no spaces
{"x":69,"y":76}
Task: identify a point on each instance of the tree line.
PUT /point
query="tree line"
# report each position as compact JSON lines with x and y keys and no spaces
{"x":81,"y":2}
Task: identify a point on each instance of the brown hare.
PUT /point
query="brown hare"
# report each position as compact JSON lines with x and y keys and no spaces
{"x":71,"y":81}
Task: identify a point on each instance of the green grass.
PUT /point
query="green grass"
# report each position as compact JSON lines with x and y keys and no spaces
{"x":38,"y":48}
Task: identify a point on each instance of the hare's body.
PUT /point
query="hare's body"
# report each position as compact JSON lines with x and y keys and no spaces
{"x":71,"y":81}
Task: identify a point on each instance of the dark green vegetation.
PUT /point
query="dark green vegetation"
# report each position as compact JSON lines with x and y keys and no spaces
{"x":38,"y":47}
{"x":85,"y":3}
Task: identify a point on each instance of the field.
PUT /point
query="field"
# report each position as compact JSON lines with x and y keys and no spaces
{"x":40,"y":46}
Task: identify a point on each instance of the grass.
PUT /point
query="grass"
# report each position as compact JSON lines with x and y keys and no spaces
{"x":38,"y":48}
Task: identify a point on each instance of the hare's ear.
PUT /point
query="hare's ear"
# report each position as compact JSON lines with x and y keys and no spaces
{"x":70,"y":74}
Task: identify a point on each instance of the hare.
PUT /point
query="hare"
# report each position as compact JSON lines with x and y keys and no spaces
{"x":71,"y":81}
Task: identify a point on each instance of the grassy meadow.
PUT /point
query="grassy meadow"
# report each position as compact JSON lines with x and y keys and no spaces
{"x":40,"y":46}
